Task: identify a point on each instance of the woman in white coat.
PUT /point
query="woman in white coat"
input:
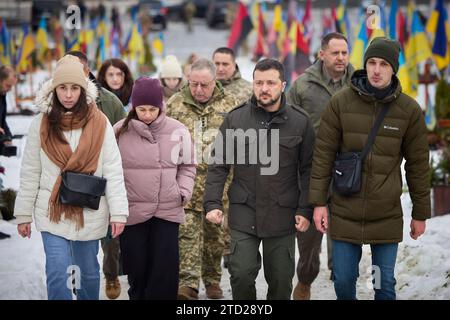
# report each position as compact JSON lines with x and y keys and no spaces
{"x":70,"y":134}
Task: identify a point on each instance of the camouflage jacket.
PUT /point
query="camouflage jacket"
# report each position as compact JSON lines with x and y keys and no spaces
{"x":203,"y":122}
{"x":239,"y":87}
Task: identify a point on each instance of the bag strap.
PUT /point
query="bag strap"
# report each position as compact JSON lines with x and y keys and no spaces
{"x":373,"y":132}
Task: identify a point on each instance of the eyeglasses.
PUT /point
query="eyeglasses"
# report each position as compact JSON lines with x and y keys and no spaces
{"x":194,"y":85}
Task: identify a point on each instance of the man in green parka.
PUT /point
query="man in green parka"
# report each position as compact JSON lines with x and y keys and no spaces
{"x":374,"y":214}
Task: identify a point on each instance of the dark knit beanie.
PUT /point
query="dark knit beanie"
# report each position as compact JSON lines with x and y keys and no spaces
{"x":384,"y":48}
{"x":147,"y":91}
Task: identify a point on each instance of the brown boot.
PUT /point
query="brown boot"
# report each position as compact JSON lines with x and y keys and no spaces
{"x":187,"y":293}
{"x":302,"y":292}
{"x":213,"y":291}
{"x":112,"y":288}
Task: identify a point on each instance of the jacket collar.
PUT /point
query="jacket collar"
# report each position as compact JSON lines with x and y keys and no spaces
{"x":148,"y":131}
{"x":278,"y":117}
{"x":359,"y":85}
{"x":218,"y":94}
{"x":315,"y":74}
{"x":236,"y":76}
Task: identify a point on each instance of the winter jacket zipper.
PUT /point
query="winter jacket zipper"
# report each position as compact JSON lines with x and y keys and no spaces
{"x":369,"y":170}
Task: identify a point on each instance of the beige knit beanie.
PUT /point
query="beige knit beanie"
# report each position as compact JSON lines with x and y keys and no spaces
{"x":69,"y":70}
{"x":171,"y":68}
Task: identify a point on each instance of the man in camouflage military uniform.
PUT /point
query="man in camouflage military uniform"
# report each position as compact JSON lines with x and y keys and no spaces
{"x":230,"y":77}
{"x":201,"y":107}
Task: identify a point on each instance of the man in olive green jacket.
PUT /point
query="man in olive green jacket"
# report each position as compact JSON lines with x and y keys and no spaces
{"x":312,"y":91}
{"x":374,"y":214}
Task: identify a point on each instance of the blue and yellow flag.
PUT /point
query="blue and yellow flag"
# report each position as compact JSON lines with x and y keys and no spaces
{"x":438,"y":27}
{"x":158,"y":44}
{"x":343,"y":23}
{"x":26,"y":49}
{"x":41,"y":38}
{"x":357,"y":53}
{"x":393,"y":20}
{"x":403,"y":76}
{"x":417,"y":50}
{"x":136,"y":44}
{"x":5,"y":44}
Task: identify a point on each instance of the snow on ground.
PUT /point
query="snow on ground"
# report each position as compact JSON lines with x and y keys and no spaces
{"x":423,"y":265}
{"x":422,"y":272}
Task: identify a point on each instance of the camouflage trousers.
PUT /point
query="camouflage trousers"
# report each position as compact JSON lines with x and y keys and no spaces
{"x":201,"y":248}
{"x":112,"y":260}
{"x":226,"y":235}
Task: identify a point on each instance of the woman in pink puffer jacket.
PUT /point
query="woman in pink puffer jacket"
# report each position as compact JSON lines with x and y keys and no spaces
{"x":159,"y":169}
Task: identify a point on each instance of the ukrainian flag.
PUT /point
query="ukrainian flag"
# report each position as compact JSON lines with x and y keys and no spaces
{"x":403,"y":76}
{"x":136,"y":43}
{"x":27,"y":48}
{"x":357,"y":55}
{"x":393,"y":20}
{"x":417,"y":50}
{"x":5,"y":44}
{"x":158,"y":44}
{"x":343,"y":23}
{"x":438,"y":26}
{"x":41,"y":38}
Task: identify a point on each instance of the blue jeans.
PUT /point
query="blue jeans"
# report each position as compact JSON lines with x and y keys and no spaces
{"x":346,"y":258}
{"x":65,"y":257}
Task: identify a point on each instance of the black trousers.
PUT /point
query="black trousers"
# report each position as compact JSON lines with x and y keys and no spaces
{"x":151,"y":259}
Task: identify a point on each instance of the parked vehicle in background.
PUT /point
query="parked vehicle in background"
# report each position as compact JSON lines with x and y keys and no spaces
{"x":157,"y":11}
{"x":201,"y":6}
{"x":219,"y":12}
{"x":46,"y":9}
{"x":15,"y":13}
{"x":176,"y":8}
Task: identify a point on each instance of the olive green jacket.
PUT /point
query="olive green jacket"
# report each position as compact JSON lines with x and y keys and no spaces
{"x":374,"y":215}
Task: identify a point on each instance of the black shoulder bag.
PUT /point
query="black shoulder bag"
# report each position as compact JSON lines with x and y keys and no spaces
{"x":347,"y":171}
{"x":81,"y":190}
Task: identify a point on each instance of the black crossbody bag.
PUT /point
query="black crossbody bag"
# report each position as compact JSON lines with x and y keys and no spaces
{"x":347,"y":170}
{"x":81,"y":190}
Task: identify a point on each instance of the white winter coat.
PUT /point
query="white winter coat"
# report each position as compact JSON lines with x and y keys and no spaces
{"x":38,"y":175}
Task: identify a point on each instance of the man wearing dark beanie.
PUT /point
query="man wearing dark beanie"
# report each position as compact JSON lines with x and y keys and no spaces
{"x":373,"y":215}
{"x":386,"y":49}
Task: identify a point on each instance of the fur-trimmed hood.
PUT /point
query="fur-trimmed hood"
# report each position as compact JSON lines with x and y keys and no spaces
{"x":44,"y":96}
